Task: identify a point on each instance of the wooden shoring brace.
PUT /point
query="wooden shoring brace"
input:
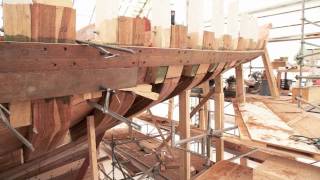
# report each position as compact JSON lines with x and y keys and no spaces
{"x":219,"y":115}
{"x":202,"y":102}
{"x":92,"y":148}
{"x":274,"y":90}
{"x":240,"y":91}
{"x":184,"y":127}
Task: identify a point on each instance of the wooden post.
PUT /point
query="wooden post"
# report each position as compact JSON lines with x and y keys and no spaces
{"x":271,"y":79}
{"x":219,"y":115}
{"x":240,"y":84}
{"x":184,"y":127}
{"x":170,"y":108}
{"x":243,"y":162}
{"x":92,"y":148}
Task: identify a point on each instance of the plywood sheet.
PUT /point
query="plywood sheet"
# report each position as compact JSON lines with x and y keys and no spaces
{"x":225,"y":170}
{"x":265,"y":126}
{"x":277,"y":168}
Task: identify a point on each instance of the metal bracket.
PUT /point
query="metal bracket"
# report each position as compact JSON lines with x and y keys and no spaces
{"x":104,"y":47}
{"x":105,"y":109}
{"x":13,"y":130}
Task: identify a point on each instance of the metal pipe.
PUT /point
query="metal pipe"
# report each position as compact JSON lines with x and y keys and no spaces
{"x":106,"y":46}
{"x":114,"y":115}
{"x":307,"y":77}
{"x":209,"y":133}
{"x":304,"y":101}
{"x":311,"y":22}
{"x":311,"y":54}
{"x":15,"y":132}
{"x":287,"y":12}
{"x":311,"y":44}
{"x":194,"y":138}
{"x":5,"y":109}
{"x":243,"y":155}
{"x":279,"y":6}
{"x":301,"y":50}
{"x":291,"y":25}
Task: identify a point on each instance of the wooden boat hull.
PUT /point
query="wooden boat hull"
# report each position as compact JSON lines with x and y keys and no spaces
{"x":68,"y":70}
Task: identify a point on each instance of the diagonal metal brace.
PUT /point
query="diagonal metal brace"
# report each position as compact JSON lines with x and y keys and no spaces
{"x":105,"y":109}
{"x":14,"y":131}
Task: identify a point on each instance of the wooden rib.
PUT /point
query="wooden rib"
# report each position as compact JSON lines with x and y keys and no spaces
{"x":64,"y":111}
{"x":51,"y":122}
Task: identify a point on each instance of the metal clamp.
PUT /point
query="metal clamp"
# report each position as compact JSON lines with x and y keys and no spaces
{"x":104,"y":47}
{"x":105,"y":109}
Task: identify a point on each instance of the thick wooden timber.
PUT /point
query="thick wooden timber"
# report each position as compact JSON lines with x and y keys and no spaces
{"x":61,"y":56}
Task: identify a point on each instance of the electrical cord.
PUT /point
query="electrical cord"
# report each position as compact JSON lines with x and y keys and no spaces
{"x":306,"y":140}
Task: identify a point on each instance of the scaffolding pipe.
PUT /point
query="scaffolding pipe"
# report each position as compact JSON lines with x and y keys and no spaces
{"x":301,"y":50}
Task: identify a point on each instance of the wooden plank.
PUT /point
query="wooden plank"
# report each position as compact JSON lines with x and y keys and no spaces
{"x":20,"y":114}
{"x":92,"y":148}
{"x":279,"y":168}
{"x":264,"y":126}
{"x":144,"y":90}
{"x":225,"y":170}
{"x":26,"y":86}
{"x":64,"y":110}
{"x":125,"y":30}
{"x":270,"y":77}
{"x":243,"y":131}
{"x":56,"y":158}
{"x":17,"y":22}
{"x":64,"y":3}
{"x":240,"y":91}
{"x":46,"y":124}
{"x":11,"y":160}
{"x":184,"y":127}
{"x":66,"y":27}
{"x":219,"y":115}
{"x":51,"y":56}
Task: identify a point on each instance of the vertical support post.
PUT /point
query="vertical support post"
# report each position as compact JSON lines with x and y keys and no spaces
{"x":170,"y":108}
{"x":92,"y":148}
{"x":271,"y":79}
{"x":240,"y":84}
{"x":219,"y":115}
{"x":209,"y":140}
{"x":184,"y":123}
{"x":243,"y":162}
{"x":202,"y":126}
{"x":203,"y":114}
